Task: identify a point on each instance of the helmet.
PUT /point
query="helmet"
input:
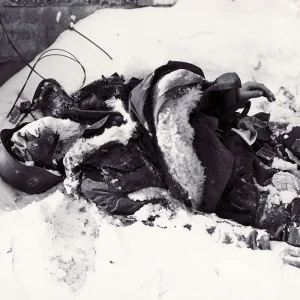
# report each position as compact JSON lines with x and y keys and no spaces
{"x":28,"y":179}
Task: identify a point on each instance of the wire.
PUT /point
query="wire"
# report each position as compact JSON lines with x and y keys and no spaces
{"x":42,"y":56}
{"x":13,"y":46}
{"x":74,"y":58}
{"x":72,"y":28}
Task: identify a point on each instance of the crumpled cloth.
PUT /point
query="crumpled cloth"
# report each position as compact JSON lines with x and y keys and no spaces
{"x":247,"y":127}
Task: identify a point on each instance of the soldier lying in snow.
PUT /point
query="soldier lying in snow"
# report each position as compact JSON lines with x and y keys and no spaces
{"x":175,"y":136}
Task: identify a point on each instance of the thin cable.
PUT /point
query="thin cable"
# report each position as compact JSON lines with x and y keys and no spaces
{"x":72,"y":28}
{"x":42,"y":56}
{"x":75,"y":59}
{"x":13,"y":46}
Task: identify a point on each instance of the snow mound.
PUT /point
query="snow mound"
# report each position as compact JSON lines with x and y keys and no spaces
{"x":64,"y":249}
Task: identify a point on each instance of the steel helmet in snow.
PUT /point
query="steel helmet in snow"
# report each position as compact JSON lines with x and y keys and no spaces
{"x":28,"y":179}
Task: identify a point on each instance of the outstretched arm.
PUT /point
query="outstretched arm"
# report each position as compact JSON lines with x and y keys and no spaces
{"x":251,"y":90}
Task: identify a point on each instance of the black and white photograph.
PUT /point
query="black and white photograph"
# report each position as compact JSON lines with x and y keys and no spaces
{"x":149,"y":149}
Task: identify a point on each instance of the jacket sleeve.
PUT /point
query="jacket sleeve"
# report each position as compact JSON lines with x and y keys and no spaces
{"x":114,"y":172}
{"x":117,"y":205}
{"x":110,"y":201}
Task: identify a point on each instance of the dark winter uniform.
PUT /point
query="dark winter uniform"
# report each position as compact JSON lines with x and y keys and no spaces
{"x":174,"y":134}
{"x":175,"y":146}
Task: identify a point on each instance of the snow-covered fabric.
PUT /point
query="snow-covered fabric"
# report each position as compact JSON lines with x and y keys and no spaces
{"x":86,"y":147}
{"x":35,"y":142}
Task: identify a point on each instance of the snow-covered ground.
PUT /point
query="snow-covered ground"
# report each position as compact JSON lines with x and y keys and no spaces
{"x":52,"y":247}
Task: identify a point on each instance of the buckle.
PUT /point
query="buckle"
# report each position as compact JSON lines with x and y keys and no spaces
{"x":266,"y":153}
{"x":15,"y":115}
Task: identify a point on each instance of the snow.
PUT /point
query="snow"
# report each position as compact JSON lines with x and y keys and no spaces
{"x":164,"y":2}
{"x":55,"y":247}
{"x":58,"y":16}
{"x":65,"y":128}
{"x":63,"y":249}
{"x":284,"y":188}
{"x":283,"y":165}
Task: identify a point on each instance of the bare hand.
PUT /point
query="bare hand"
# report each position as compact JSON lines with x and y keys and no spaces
{"x":251,"y":90}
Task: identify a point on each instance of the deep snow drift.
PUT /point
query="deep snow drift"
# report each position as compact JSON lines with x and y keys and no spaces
{"x":57,"y":248}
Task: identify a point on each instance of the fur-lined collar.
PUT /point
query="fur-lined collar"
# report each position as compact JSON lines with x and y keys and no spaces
{"x":175,"y":138}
